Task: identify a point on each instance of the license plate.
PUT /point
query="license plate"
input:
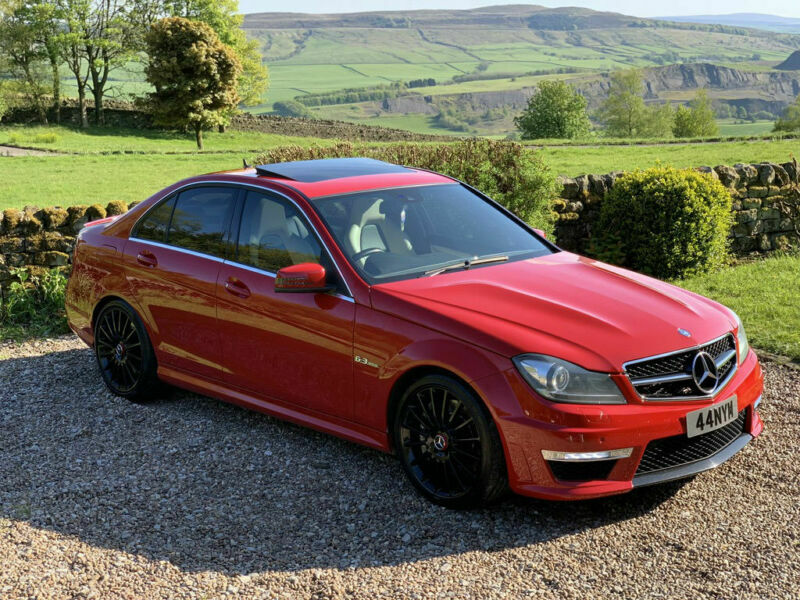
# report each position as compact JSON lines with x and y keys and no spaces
{"x":712,"y":417}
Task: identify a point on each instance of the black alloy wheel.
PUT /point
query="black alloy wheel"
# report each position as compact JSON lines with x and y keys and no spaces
{"x":448,"y":444}
{"x":124,"y":353}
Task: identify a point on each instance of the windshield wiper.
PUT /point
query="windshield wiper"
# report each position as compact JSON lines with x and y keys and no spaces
{"x":465,"y":264}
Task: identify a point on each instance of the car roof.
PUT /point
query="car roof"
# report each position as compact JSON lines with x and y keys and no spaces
{"x":332,"y":176}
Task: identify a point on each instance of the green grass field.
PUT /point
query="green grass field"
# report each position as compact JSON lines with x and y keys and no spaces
{"x":576,"y":160}
{"x":156,"y":159}
{"x":736,"y":127}
{"x":66,"y":180}
{"x":118,"y":140}
{"x":764,"y":294}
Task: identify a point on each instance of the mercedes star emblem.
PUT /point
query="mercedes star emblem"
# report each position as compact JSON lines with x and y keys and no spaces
{"x":704,"y":372}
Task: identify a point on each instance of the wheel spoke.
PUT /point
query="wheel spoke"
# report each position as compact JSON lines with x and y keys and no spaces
{"x":464,"y":424}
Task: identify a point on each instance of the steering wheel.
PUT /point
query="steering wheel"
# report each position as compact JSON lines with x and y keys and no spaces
{"x":367,"y":252}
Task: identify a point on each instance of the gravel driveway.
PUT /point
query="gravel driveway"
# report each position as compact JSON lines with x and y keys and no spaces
{"x":188,"y":497}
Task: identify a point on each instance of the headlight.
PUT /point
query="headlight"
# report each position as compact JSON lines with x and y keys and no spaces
{"x":562,"y":381}
{"x":741,"y":338}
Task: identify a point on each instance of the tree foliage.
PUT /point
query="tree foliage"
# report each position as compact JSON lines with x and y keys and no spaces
{"x":194,"y":74}
{"x":696,"y":120}
{"x":23,"y":57}
{"x":224,"y":18}
{"x":556,"y":110}
{"x":790,"y":120}
{"x":624,"y":112}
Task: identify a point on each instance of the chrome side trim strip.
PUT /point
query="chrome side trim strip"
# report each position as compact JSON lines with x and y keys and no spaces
{"x":260,"y":188}
{"x":693,"y":468}
{"x":178,"y":249}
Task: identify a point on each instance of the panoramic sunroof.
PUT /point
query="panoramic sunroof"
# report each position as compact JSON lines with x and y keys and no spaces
{"x":309,"y":171}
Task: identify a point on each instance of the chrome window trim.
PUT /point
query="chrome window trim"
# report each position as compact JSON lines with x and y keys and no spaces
{"x":719,"y":388}
{"x":177,"y":248}
{"x":238,"y":184}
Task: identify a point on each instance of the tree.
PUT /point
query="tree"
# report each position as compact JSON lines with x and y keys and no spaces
{"x":23,"y":55}
{"x":696,"y":120}
{"x":292,"y":108}
{"x":224,"y":18}
{"x":100,"y":36}
{"x":194,"y":74}
{"x":790,"y":120}
{"x":555,"y":110}
{"x":624,"y":112}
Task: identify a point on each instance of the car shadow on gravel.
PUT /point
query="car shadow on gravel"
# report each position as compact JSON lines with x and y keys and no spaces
{"x":209,"y":486}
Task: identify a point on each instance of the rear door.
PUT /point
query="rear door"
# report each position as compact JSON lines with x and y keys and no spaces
{"x":293,"y":347}
{"x":172,"y":261}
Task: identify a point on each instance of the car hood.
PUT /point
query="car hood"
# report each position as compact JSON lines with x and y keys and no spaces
{"x":564,"y":305}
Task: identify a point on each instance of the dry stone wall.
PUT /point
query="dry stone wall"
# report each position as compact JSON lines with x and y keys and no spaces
{"x":766,"y":203}
{"x":44,"y":238}
{"x":766,"y":206}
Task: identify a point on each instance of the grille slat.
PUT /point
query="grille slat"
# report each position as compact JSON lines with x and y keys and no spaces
{"x":679,"y":450}
{"x":675,"y":363}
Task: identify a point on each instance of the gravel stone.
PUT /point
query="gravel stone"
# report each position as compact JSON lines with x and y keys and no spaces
{"x":188,"y":497}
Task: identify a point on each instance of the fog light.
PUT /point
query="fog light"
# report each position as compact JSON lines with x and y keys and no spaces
{"x":586,"y":456}
{"x":757,"y":402}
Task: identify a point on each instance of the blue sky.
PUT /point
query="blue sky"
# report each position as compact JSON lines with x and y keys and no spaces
{"x":784,"y":8}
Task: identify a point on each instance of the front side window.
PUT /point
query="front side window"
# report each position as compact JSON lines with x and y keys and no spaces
{"x":201,"y":219}
{"x":273,"y":235}
{"x":400,"y":233}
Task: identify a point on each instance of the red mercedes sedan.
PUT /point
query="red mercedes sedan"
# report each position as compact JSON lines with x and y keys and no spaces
{"x":403,"y":310}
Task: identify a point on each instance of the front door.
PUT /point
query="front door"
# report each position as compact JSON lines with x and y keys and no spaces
{"x":296,"y":348}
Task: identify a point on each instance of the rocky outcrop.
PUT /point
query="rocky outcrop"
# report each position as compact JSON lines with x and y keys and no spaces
{"x":780,"y":87}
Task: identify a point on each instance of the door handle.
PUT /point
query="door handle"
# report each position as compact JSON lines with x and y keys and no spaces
{"x":237,"y":288}
{"x":146,"y":258}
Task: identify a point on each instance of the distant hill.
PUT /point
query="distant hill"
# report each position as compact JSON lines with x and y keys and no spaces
{"x":471,"y":70}
{"x":757,"y":20}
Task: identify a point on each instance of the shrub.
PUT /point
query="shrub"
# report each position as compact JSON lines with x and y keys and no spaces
{"x":665,"y":222}
{"x":35,"y":302}
{"x":509,"y":173}
{"x":116,"y":207}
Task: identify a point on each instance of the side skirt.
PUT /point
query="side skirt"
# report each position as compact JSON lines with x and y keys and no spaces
{"x":324,"y":423}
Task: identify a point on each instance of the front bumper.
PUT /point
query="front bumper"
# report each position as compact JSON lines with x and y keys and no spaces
{"x":529,"y":424}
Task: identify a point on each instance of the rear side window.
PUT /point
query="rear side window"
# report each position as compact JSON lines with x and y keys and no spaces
{"x":154,"y":226}
{"x":201,"y":219}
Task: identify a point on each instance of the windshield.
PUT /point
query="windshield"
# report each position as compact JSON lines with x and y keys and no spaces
{"x":424,"y":231}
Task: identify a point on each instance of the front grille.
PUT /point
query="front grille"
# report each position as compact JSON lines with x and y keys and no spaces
{"x":679,"y":450}
{"x":581,"y":471}
{"x":670,"y":377}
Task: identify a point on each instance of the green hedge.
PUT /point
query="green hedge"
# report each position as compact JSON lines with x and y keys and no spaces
{"x":507,"y":172}
{"x":665,"y":222}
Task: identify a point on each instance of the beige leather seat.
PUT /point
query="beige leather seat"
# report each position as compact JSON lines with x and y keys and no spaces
{"x":371,"y":229}
{"x":270,"y":243}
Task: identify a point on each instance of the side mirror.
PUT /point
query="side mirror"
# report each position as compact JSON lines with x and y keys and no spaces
{"x":305,"y":277}
{"x":541,"y":233}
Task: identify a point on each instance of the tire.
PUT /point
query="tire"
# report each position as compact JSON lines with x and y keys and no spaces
{"x":124,"y":353}
{"x":448,"y":444}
